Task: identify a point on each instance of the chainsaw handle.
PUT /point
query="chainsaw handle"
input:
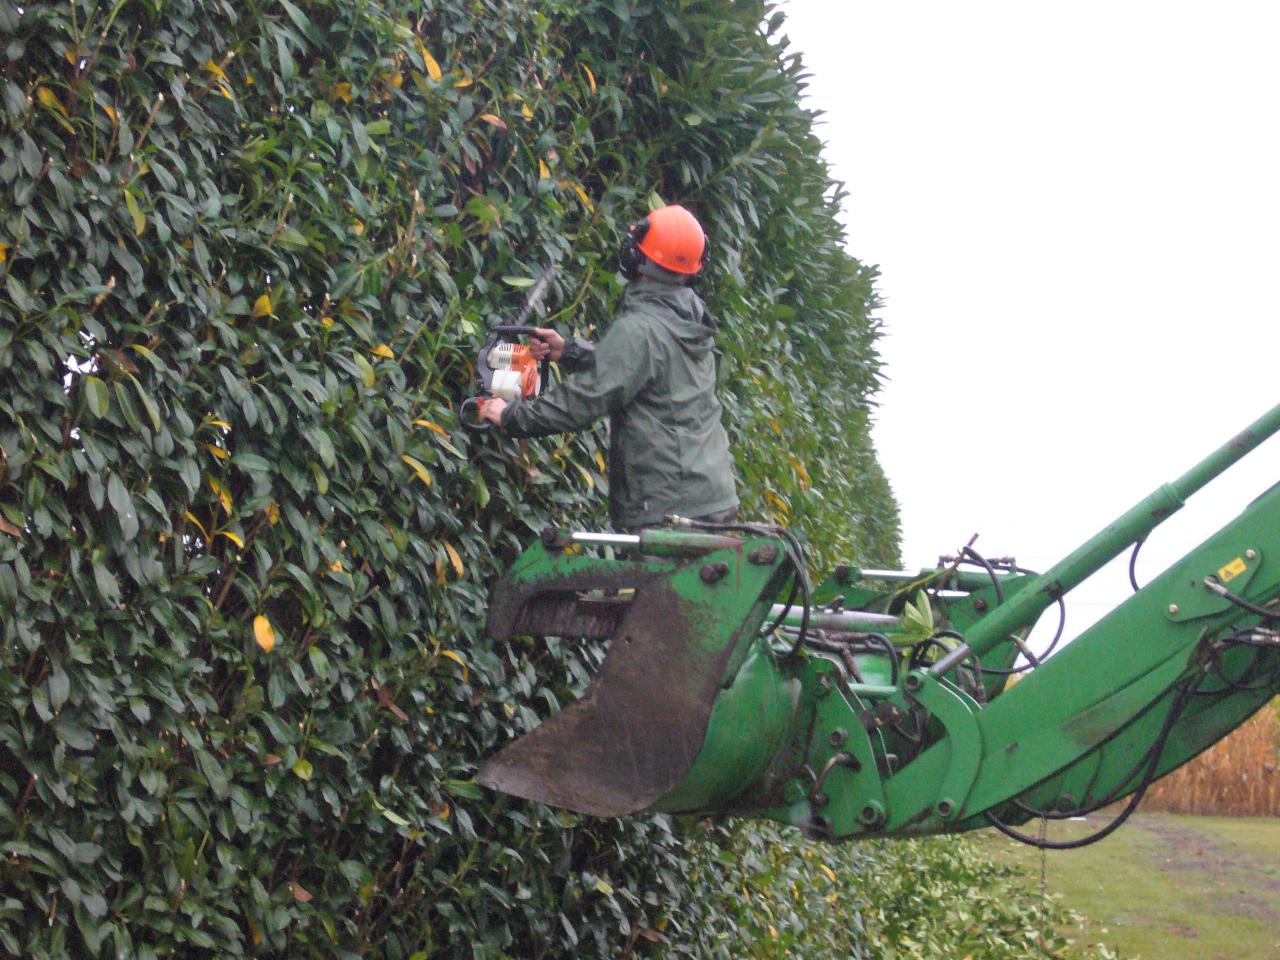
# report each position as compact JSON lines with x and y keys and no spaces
{"x":475,"y":426}
{"x":521,"y":330}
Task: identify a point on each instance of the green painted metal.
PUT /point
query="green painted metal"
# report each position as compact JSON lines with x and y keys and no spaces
{"x":1128,"y":529}
{"x":700,"y":709}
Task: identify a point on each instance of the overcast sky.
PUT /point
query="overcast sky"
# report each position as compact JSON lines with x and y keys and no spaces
{"x":1076,"y":213}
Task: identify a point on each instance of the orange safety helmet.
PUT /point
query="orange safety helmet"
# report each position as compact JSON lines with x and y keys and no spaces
{"x":671,"y":237}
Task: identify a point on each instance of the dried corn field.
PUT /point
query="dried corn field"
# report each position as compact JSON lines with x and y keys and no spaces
{"x":1238,"y":776}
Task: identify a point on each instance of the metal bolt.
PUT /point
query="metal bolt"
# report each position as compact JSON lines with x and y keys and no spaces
{"x":913,"y":681}
{"x":712,"y":572}
{"x":945,"y":808}
{"x":824,"y":685}
{"x":765,"y":553}
{"x":872,"y":815}
{"x":1173,"y":608}
{"x":1250,"y":554}
{"x":980,"y":605}
{"x":843,"y":573}
{"x":839,"y":737}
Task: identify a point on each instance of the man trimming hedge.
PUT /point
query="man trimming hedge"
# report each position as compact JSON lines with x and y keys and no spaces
{"x":653,"y":374}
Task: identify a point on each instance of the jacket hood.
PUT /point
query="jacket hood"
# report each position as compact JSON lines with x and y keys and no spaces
{"x":678,"y":309}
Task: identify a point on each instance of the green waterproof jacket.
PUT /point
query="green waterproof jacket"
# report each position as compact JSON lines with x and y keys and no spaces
{"x":654,"y":375}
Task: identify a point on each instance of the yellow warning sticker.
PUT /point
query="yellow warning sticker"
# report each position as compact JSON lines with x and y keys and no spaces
{"x":1232,"y":570}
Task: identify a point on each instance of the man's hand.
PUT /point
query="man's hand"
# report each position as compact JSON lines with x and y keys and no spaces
{"x":546,"y":344}
{"x":491,"y":409}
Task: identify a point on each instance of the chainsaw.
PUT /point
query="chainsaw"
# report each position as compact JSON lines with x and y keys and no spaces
{"x":506,"y":368}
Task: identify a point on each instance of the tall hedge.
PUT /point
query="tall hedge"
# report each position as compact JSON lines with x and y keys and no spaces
{"x":248,"y":251}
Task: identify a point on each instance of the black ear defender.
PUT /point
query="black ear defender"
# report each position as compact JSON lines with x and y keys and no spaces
{"x":629,"y":255}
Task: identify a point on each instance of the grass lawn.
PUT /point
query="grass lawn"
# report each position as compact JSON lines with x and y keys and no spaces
{"x":1164,"y":887}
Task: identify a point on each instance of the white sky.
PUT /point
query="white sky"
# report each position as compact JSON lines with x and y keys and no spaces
{"x":1076,"y":213}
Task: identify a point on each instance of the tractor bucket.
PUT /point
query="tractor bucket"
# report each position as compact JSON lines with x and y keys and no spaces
{"x":679,"y":628}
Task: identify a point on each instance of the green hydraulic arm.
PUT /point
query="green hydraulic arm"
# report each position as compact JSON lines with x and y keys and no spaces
{"x":881,"y":703}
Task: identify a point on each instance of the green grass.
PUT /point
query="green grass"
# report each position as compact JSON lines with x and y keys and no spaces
{"x":1164,"y":887}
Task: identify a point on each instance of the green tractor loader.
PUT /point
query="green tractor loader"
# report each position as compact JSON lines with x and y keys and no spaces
{"x":882,"y":703}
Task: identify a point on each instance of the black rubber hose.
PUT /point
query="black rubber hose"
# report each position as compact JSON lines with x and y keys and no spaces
{"x":1181,"y":696}
{"x":1271,"y":616}
{"x":1053,"y":645}
{"x":1133,"y":563}
{"x":981,"y":561}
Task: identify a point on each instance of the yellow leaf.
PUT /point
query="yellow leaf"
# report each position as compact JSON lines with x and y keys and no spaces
{"x":465,"y":80}
{"x":72,"y":55}
{"x":139,"y":218}
{"x":831,"y":874}
{"x":441,"y":577}
{"x":600,"y":461}
{"x":494,"y":120}
{"x":776,"y":429}
{"x":455,"y":559}
{"x":342,"y":91}
{"x":217,"y":71}
{"x":582,"y":195}
{"x":423,"y":473}
{"x":382,"y":350}
{"x":591,"y":79}
{"x":456,"y":657}
{"x":223,"y":494}
{"x":272,"y":510}
{"x":394,"y":79}
{"x":4,"y":252}
{"x":800,"y":471}
{"x":50,"y":100}
{"x":219,"y":423}
{"x":233,"y":537}
{"x":603,"y":886}
{"x":433,"y":68}
{"x":336,"y":566}
{"x":773,"y":931}
{"x":216,"y":451}
{"x":544,"y":172}
{"x":591,"y":483}
{"x":110,"y":111}
{"x":264,"y":633}
{"x":200,"y":526}
{"x":776,"y":502}
{"x":433,"y":426}
{"x":262,"y":306}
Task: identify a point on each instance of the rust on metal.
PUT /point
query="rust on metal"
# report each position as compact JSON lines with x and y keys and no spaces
{"x":638,"y":729}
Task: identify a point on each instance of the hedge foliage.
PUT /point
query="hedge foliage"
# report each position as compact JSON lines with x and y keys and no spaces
{"x":248,"y":251}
